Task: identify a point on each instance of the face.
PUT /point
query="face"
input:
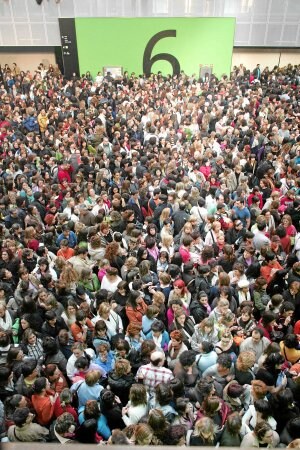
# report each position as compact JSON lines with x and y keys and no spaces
{"x":256,"y":337}
{"x":24,"y":324}
{"x":268,"y":437}
{"x":32,"y":339}
{"x":77,"y":353}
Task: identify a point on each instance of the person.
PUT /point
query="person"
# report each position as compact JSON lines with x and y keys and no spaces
{"x":89,"y":388}
{"x":262,"y":435}
{"x":24,"y":430}
{"x":257,"y":343}
{"x":204,"y":433}
{"x":43,"y":401}
{"x":154,"y":373}
{"x":137,"y":407}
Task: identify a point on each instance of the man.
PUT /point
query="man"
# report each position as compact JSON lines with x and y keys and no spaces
{"x":154,"y":373}
{"x":256,"y":343}
{"x":260,"y":239}
{"x":180,"y":217}
{"x":68,"y":235}
{"x":239,"y":211}
{"x":222,"y":372}
{"x":24,"y":429}
{"x":134,"y":204}
{"x":257,"y":72}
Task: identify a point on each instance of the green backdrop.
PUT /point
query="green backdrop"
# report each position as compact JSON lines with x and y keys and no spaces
{"x":122,"y":42}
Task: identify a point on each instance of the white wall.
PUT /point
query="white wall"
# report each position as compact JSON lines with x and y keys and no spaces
{"x":264,"y":57}
{"x":27,"y":61}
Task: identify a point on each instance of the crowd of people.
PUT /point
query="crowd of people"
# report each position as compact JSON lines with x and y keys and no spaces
{"x":150,"y":258}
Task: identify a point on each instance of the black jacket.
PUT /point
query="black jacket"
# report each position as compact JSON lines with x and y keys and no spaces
{"x":198,"y":311}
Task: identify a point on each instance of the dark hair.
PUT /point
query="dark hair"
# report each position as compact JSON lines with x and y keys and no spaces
{"x":225,"y":360}
{"x":291,"y":341}
{"x":39,"y":385}
{"x":267,"y":317}
{"x":207,"y":347}
{"x":234,"y":423}
{"x":187,"y":358}
{"x":157,"y":325}
{"x":82,"y":362}
{"x":164,"y":394}
{"x":50,"y":345}
{"x":235,"y":390}
{"x":28,"y":366}
{"x":263,"y":407}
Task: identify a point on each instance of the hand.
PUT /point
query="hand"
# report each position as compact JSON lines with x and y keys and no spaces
{"x":287,"y":320}
{"x":124,"y":410}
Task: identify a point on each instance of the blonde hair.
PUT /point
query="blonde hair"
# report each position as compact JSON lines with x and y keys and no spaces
{"x":122,"y":366}
{"x":203,"y":427}
{"x":92,"y":377}
{"x":245,"y":361}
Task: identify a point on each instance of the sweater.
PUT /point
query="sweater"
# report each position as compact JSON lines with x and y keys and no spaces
{"x":43,"y":408}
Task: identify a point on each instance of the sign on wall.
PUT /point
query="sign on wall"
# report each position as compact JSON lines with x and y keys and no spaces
{"x":147,"y":45}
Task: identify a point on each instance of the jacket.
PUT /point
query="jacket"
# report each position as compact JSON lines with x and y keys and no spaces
{"x":43,"y":408}
{"x":121,"y":385}
{"x":198,"y":311}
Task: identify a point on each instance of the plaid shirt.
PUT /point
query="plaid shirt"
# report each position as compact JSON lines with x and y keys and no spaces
{"x":152,"y":376}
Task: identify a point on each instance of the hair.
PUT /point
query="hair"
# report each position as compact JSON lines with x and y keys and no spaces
{"x":245,"y":361}
{"x":138,"y":395}
{"x":187,"y":358}
{"x":92,"y":377}
{"x":164,"y":394}
{"x":142,"y":431}
{"x":203,"y":427}
{"x":263,"y":407}
{"x":122,"y":367}
{"x":39,"y":385}
{"x":261,"y":428}
{"x":234,"y":423}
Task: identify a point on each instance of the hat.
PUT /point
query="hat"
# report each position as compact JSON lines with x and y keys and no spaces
{"x":243,"y":284}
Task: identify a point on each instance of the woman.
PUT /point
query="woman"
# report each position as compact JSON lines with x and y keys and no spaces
{"x":180,"y":292}
{"x":6,"y":321}
{"x":113,"y":255}
{"x":78,"y":350}
{"x":69,"y":314}
{"x":289,"y":228}
{"x":243,"y":367}
{"x":206,"y":331}
{"x":95,"y":248}
{"x":32,"y":346}
{"x":267,"y":323}
{"x":260,"y":297}
{"x":261,"y":436}
{"x":207,"y":357}
{"x":260,"y":411}
{"x":33,"y":219}
{"x":43,"y":401}
{"x":100,"y":335}
{"x":143,"y":434}
{"x":90,"y":411}
{"x":56,"y":379}
{"x":175,"y":348}
{"x":135,"y":307}
{"x":270,"y":267}
{"x":137,"y":407}
{"x":185,"y":324}
{"x":10,"y":262}
{"x":81,"y":326}
{"x":89,"y":281}
{"x":227,"y":345}
{"x":111,"y":280}
{"x":121,"y":379}
{"x":111,"y":407}
{"x":111,"y":318}
{"x":89,"y":388}
{"x":204,"y":434}
{"x":271,"y":372}
{"x":186,"y":369}
{"x":289,"y":348}
{"x":231,"y":436}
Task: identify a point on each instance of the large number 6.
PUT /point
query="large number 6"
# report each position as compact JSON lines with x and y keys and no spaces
{"x":148,"y":61}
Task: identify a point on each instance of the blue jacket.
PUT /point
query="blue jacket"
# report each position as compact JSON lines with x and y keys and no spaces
{"x":108,"y":365}
{"x":165,"y":340}
{"x":72,"y":239}
{"x":102,"y":427}
{"x":31,"y":124}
